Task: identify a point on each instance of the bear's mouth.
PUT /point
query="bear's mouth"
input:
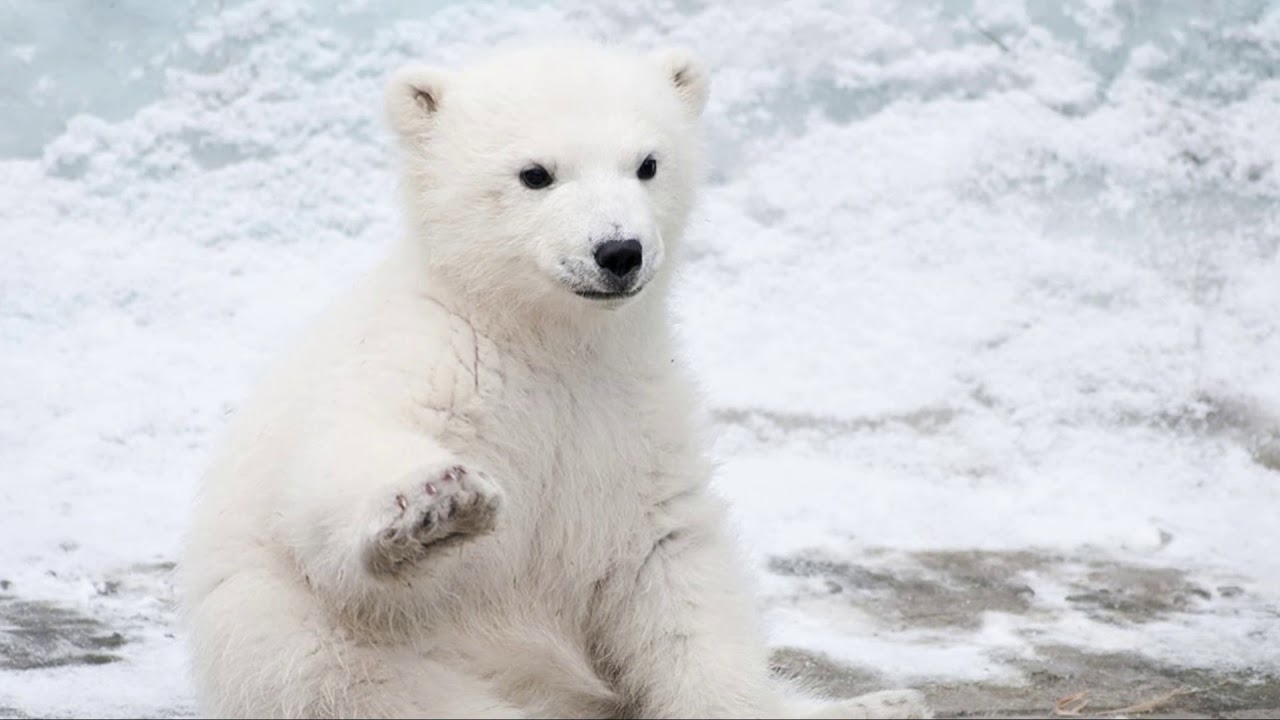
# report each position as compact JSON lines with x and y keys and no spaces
{"x":601,"y":295}
{"x":575,"y":276}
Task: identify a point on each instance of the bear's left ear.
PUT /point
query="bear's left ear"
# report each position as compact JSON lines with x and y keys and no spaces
{"x":413,"y":98}
{"x":685,"y":72}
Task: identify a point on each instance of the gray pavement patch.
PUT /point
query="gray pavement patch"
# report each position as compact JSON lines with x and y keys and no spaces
{"x":955,"y":588}
{"x":936,"y":589}
{"x":37,"y":634}
{"x":1111,"y":680}
{"x":1119,"y":593}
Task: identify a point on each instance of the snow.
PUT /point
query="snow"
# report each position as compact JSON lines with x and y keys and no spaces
{"x":989,"y":276}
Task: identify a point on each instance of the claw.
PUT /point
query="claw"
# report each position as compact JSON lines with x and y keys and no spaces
{"x":431,"y":489}
{"x":402,"y":502}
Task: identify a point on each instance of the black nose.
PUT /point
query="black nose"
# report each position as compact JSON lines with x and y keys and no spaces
{"x":619,"y":257}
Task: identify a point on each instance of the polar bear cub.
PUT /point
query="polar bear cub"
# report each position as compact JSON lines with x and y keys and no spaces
{"x":476,"y":489}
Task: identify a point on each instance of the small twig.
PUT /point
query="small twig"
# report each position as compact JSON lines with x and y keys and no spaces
{"x":1071,"y":705}
{"x":1074,"y":705}
{"x":988,"y":35}
{"x":1153,"y":703}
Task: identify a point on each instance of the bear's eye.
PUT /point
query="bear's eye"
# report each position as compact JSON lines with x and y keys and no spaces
{"x":647,"y":169}
{"x":535,"y":177}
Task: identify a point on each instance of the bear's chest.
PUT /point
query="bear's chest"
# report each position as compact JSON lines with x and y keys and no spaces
{"x":589,"y":435}
{"x":583,"y":459}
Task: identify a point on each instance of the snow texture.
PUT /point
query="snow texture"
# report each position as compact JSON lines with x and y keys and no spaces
{"x":967,"y":276}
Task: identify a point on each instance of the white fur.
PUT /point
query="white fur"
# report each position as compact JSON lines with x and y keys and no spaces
{"x":590,"y":575}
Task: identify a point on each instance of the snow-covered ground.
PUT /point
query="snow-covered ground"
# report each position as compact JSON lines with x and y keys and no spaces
{"x":984,"y":297}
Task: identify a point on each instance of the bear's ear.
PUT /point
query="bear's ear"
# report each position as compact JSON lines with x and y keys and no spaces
{"x":413,"y":97}
{"x":685,"y":72}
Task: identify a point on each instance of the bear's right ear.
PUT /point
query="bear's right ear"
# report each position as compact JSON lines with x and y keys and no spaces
{"x":413,"y":98}
{"x":688,"y":77}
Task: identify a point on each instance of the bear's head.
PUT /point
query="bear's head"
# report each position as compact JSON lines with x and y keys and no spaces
{"x":550,"y":176}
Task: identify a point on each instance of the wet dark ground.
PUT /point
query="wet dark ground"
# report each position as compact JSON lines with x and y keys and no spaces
{"x":952,"y":591}
{"x":1105,"y":681}
{"x":945,"y":591}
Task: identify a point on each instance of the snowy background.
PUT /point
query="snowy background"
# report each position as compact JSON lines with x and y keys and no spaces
{"x":984,"y":297}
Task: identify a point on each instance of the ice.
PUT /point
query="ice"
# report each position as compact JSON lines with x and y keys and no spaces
{"x":990,"y":277}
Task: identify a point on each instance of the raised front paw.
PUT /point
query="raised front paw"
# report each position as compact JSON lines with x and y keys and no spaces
{"x":436,"y":507}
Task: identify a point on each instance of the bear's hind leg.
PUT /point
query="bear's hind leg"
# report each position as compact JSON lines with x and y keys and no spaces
{"x":264,"y":647}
